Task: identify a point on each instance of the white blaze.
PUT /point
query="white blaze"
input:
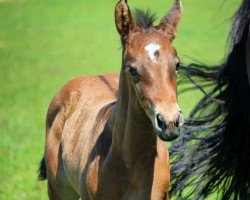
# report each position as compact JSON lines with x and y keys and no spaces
{"x":151,"y":49}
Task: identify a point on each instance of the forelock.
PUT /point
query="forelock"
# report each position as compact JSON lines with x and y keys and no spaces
{"x":144,"y":19}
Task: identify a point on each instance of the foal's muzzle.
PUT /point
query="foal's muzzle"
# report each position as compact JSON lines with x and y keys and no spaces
{"x":168,"y":131}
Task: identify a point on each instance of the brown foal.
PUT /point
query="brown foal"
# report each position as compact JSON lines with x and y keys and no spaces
{"x":105,"y":134}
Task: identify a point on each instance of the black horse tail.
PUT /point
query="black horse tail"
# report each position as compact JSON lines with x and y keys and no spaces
{"x":213,"y":153}
{"x":42,"y":170}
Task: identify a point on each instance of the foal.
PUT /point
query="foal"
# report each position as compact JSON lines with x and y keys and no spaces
{"x":101,"y":131}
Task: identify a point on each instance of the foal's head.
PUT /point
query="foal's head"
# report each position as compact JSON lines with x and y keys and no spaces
{"x":150,"y":64}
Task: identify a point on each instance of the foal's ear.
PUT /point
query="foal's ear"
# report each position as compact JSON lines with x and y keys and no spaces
{"x":123,"y":19}
{"x":171,"y":20}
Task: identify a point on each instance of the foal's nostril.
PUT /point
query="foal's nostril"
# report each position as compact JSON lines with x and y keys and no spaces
{"x":161,"y":122}
{"x":177,"y":123}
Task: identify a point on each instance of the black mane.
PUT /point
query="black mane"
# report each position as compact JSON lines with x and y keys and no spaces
{"x":144,"y":19}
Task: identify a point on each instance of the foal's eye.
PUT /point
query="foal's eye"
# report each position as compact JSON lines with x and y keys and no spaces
{"x":177,"y":67}
{"x":133,"y":73}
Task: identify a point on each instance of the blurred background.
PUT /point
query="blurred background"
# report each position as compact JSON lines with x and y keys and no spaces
{"x":43,"y":44}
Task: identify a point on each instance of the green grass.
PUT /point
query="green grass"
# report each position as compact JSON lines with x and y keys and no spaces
{"x":45,"y":43}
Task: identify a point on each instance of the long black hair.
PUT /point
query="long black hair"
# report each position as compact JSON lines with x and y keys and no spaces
{"x":213,"y":153}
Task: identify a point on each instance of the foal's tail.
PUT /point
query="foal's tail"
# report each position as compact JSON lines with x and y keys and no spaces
{"x":42,"y":170}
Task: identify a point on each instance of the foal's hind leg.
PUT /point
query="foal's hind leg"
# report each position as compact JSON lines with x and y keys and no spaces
{"x":59,"y":192}
{"x":59,"y":187}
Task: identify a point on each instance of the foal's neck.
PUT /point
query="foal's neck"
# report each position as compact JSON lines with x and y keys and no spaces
{"x":133,"y":136}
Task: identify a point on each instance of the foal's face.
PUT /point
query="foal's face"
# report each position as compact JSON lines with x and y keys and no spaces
{"x":150,"y":64}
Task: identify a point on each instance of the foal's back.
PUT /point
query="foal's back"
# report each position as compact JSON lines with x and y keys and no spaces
{"x":75,"y":122}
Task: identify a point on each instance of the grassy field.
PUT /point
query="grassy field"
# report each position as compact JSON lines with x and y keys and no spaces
{"x":45,"y":43}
